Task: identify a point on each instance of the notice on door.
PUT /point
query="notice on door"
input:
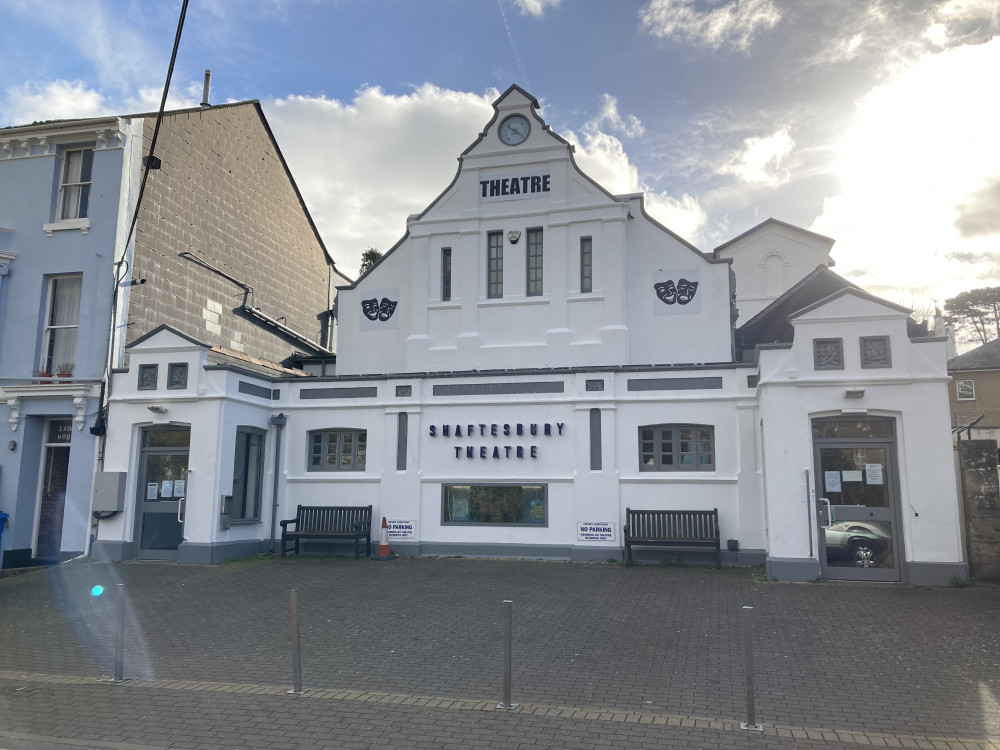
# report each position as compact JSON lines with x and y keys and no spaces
{"x":831,"y":480}
{"x":152,"y":490}
{"x":852,"y":476}
{"x":874,"y":472}
{"x":167,"y":488}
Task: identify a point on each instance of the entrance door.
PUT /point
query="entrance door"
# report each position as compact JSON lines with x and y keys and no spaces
{"x":162,"y":492}
{"x":859,"y":536}
{"x":52,"y":495}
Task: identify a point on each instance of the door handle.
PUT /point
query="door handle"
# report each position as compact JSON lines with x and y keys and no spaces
{"x":829,"y":512}
{"x":180,"y":510}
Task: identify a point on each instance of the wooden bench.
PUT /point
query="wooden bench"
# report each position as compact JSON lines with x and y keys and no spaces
{"x":329,"y":523}
{"x":690,"y":529}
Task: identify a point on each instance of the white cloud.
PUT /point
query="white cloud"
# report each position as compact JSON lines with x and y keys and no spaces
{"x":734,"y":24}
{"x":920,"y":147}
{"x":602,"y":157}
{"x":536,"y":8}
{"x":761,"y":160}
{"x":363,"y":166}
{"x":50,"y":100}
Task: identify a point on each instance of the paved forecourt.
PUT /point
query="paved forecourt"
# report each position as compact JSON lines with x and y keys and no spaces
{"x":410,"y":654}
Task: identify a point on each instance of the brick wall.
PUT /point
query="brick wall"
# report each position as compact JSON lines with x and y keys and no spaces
{"x":223,"y":194}
{"x":987,"y":401}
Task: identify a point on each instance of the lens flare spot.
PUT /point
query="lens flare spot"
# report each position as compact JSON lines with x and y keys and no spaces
{"x":97,"y":590}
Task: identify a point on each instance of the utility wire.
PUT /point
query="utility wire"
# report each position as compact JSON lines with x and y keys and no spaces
{"x":122,"y":265}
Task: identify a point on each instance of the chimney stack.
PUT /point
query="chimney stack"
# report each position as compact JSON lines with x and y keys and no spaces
{"x":204,"y":97}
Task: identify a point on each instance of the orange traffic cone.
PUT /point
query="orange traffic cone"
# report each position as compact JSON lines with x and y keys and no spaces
{"x":384,"y":551}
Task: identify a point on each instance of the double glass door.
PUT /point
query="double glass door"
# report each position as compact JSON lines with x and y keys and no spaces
{"x":162,"y":492}
{"x":859,"y":538}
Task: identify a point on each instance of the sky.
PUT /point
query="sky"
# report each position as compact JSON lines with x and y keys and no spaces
{"x":873,"y":122}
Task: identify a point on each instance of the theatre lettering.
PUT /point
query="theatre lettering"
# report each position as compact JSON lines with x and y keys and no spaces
{"x":496,"y":430}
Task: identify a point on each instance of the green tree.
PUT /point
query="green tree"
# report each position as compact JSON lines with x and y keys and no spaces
{"x":369,"y":258}
{"x":976,"y":314}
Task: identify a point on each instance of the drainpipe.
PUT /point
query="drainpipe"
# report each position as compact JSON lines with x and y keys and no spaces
{"x":279,"y":421}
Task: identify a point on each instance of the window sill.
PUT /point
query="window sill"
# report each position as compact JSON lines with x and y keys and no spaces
{"x":82,"y":224}
{"x":243,"y":521}
{"x":514,"y":301}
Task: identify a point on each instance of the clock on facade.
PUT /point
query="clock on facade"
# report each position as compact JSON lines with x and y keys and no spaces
{"x":514,"y":129}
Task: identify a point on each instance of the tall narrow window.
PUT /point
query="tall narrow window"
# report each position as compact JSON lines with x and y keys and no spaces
{"x":74,"y":189}
{"x":62,"y":319}
{"x":586,"y":265}
{"x":534,"y":262}
{"x":248,"y":473}
{"x":445,"y":274}
{"x":495,"y":278}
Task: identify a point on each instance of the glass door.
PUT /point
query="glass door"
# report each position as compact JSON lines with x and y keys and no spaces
{"x":858,"y":534}
{"x":52,"y":499}
{"x":162,"y":492}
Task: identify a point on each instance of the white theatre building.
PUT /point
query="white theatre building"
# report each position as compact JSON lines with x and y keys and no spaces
{"x":534,"y":357}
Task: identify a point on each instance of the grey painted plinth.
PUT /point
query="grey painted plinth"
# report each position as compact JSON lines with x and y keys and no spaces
{"x":792,"y":568}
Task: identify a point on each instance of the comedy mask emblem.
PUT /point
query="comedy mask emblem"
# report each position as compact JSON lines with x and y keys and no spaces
{"x":374,"y":310}
{"x":681,"y":293}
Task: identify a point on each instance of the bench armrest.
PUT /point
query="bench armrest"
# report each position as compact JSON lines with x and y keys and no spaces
{"x":284,"y":524}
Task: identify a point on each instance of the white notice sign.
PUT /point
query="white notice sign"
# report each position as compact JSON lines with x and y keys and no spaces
{"x":401,"y":529}
{"x":852,"y":476}
{"x":152,"y":490}
{"x":167,"y":488}
{"x":596,"y":531}
{"x":179,"y":486}
{"x":874,"y":472}
{"x":832,"y":481}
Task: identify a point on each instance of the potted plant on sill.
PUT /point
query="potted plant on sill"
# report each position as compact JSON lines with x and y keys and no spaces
{"x":64,"y":370}
{"x":44,"y":377}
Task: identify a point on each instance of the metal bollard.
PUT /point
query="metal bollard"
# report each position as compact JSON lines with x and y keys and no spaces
{"x":120,"y":637}
{"x":506,"y":656}
{"x":297,"y":688}
{"x":751,"y":722}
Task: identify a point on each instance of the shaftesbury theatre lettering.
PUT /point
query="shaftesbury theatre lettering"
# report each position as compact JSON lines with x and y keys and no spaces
{"x":493,"y":430}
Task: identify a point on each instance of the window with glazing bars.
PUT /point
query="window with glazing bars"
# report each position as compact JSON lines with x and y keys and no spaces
{"x":586,"y":265}
{"x":445,"y":274}
{"x":338,"y":450}
{"x":494,"y":241}
{"x":534,"y":264}
{"x":74,"y":188}
{"x":677,"y":448}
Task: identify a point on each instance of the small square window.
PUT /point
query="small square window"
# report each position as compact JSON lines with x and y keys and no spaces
{"x":147,"y":377}
{"x":828,"y":354}
{"x":875,"y":352}
{"x":966,"y":390}
{"x":177,"y":375}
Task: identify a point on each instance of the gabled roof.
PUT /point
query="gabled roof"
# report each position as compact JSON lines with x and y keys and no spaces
{"x":776,"y":222}
{"x":773,"y":324}
{"x":169,"y":329}
{"x":985,"y":357}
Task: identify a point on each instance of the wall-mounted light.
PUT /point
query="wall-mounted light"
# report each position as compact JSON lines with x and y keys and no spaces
{"x":854,"y":393}
{"x":157,"y":408}
{"x":12,"y":446}
{"x":133,"y":282}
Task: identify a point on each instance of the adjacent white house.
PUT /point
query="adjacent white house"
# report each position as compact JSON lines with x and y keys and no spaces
{"x":534,"y":357}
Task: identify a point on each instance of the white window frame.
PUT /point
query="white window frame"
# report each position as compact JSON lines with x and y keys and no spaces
{"x":47,"y":361}
{"x":68,"y":182}
{"x":970,"y":385}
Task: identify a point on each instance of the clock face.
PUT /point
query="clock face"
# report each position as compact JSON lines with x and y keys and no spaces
{"x":514,"y":129}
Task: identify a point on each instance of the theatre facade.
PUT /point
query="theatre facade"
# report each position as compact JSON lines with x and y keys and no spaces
{"x":534,"y":357}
